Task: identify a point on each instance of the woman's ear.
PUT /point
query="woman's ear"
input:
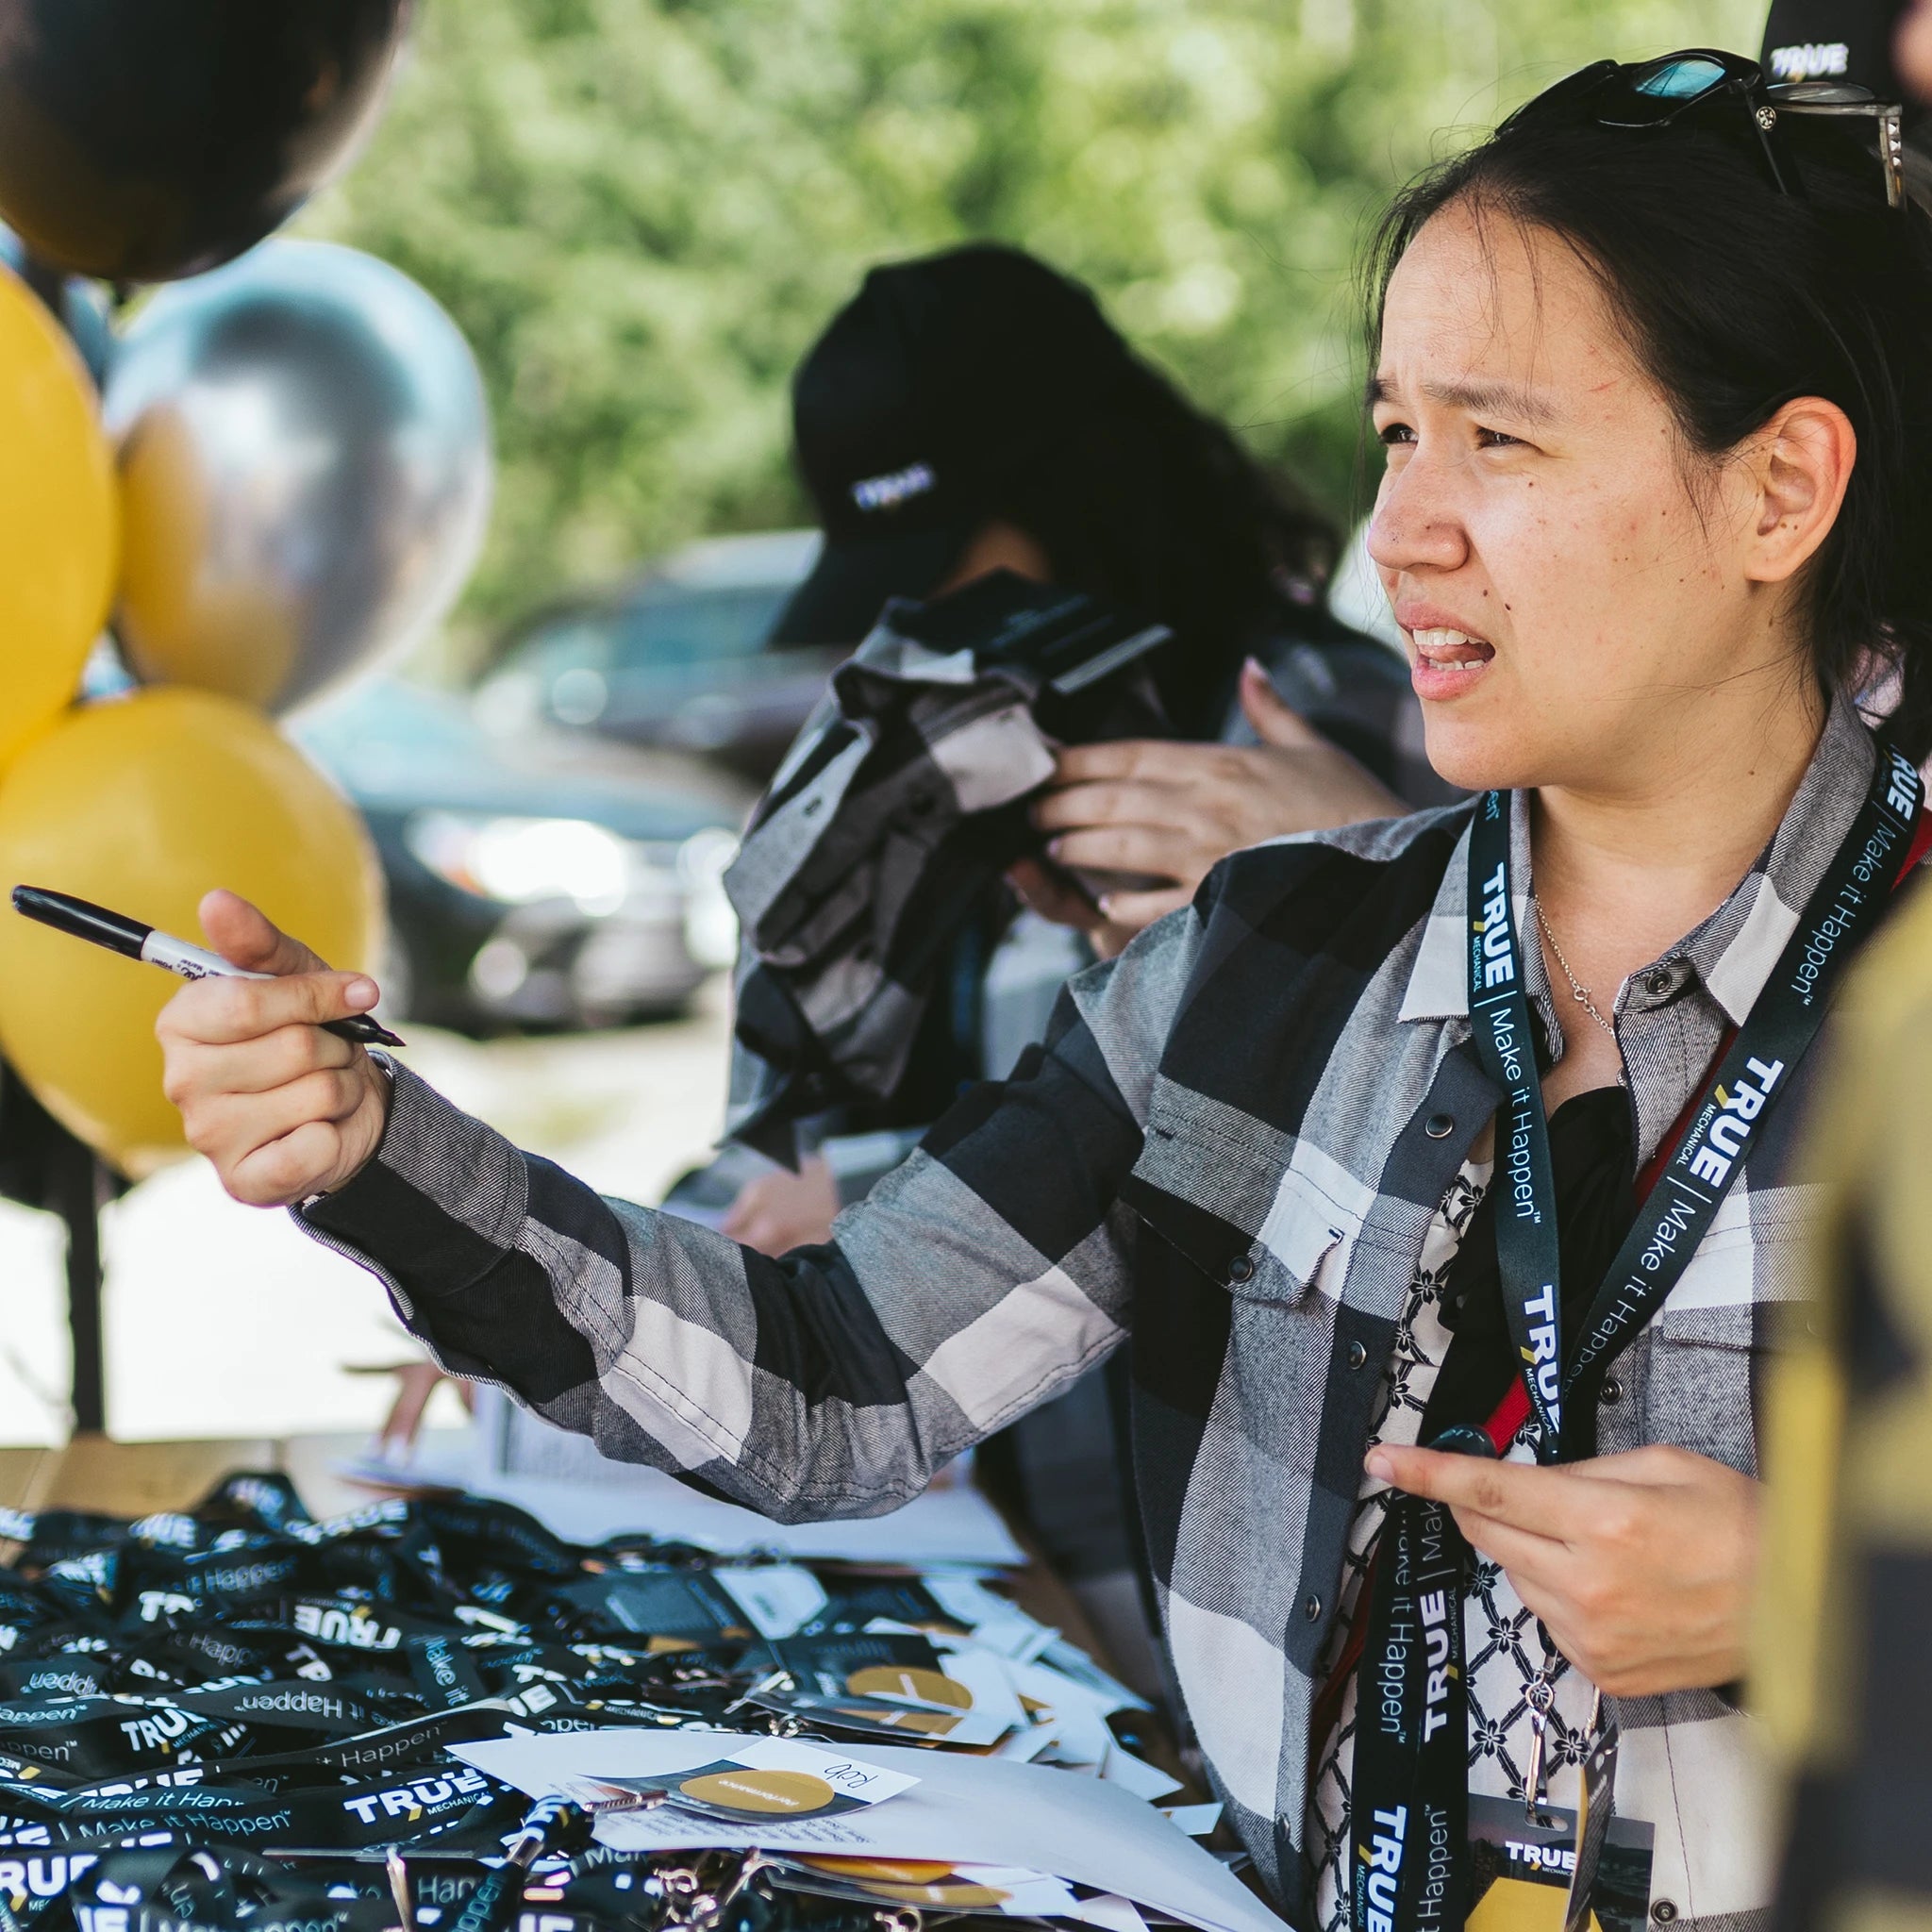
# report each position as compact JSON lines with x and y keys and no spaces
{"x":1800,"y":466}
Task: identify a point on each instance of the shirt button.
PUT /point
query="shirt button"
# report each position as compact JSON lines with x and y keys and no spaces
{"x":1240,"y":1268}
{"x":1358,"y":1354}
{"x":1612,"y":1390}
{"x":1311,"y":1608}
{"x":1439,"y":1127}
{"x":1663,"y":1911}
{"x":1661,"y":982}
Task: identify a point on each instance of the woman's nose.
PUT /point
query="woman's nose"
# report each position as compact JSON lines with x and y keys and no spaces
{"x":1416,"y":524}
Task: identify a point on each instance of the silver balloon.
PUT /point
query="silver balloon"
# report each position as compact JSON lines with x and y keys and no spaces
{"x":306,"y":470}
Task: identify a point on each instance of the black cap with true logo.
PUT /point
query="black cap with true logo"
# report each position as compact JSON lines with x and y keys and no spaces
{"x":1834,"y":39}
{"x":940,"y":378}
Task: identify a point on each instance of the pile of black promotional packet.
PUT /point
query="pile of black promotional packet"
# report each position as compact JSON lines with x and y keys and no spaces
{"x":238,"y":1717}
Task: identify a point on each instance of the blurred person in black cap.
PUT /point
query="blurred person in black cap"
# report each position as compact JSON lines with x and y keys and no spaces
{"x":975,"y":411}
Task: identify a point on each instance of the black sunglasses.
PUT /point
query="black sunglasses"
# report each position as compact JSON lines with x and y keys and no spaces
{"x":1653,"y":93}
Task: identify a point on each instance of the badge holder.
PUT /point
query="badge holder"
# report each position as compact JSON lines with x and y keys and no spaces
{"x":1537,"y":1867}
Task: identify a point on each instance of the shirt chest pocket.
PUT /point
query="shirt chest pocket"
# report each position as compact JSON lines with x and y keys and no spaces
{"x":1708,"y":1349}
{"x":1310,"y":1237}
{"x":1201,"y":1187}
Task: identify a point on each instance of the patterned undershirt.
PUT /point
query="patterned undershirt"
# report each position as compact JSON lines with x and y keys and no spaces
{"x":1505,"y":1649}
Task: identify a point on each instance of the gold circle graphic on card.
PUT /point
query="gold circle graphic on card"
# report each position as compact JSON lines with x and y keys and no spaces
{"x":898,"y":1870}
{"x":959,"y":1894}
{"x":786,"y":1793}
{"x":909,"y":1881}
{"x":910,"y":1682}
{"x":902,"y":1717}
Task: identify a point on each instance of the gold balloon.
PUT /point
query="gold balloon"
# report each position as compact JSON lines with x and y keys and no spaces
{"x":57,"y":518}
{"x":142,"y":804}
{"x":236,"y":636}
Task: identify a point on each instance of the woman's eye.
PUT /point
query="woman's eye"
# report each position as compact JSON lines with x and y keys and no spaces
{"x":1393,"y":435}
{"x":1494,"y":438}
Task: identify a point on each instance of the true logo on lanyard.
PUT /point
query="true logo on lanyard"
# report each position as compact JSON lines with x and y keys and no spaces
{"x":1411,"y":1867}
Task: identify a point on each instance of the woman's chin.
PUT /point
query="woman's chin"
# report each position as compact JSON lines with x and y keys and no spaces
{"x":1476,"y":753}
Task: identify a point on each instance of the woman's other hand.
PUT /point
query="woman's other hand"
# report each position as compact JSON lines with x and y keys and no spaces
{"x":1640,"y":1565}
{"x":283,"y":1109}
{"x":777,"y":1212}
{"x":1169,"y":811}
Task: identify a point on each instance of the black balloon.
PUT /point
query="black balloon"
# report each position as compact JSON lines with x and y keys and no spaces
{"x":143,"y":140}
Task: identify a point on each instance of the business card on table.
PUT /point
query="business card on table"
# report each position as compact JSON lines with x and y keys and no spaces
{"x":765,"y":1777}
{"x":897,"y":1683}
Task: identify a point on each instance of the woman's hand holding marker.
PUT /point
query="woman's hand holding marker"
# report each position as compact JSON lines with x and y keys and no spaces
{"x":283,"y":1109}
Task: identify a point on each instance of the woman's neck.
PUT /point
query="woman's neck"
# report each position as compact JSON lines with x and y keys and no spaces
{"x":1623,"y":876}
{"x":1653,"y":860}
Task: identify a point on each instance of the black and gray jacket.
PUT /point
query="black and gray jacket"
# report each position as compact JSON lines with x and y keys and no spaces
{"x":1225,"y":1158}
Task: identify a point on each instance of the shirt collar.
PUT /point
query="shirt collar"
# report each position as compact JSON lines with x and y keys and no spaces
{"x":1731,"y":953}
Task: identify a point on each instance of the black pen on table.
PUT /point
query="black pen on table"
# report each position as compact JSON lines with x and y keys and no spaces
{"x":134,"y":940}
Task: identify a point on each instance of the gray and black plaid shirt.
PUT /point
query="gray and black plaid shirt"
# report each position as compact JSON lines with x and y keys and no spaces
{"x":1227,"y":1154}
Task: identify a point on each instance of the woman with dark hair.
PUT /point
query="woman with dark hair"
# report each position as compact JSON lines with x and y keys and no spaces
{"x":1473,"y":1129}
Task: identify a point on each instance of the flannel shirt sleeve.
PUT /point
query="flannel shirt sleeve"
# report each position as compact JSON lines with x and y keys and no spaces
{"x":979,"y":1278}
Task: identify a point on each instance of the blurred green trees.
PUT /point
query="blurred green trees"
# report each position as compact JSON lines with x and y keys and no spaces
{"x":642,"y":210}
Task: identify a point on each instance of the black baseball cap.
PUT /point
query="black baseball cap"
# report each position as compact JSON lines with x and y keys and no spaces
{"x":1835,"y":39}
{"x":938,"y":380}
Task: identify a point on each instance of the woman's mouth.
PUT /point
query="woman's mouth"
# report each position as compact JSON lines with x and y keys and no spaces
{"x":1448,"y":662}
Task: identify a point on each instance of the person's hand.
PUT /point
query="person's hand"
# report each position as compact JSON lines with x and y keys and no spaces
{"x":1640,"y":1565}
{"x":416,"y":1382}
{"x":1170,"y":810}
{"x":1911,"y":50}
{"x":777,"y":1212}
{"x":283,"y":1109}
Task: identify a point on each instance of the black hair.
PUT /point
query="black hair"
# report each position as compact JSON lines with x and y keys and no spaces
{"x":1739,"y":299}
{"x":1151,"y":505}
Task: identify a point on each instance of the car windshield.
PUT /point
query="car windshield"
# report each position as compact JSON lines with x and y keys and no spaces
{"x":696,"y":626}
{"x":660,"y":629}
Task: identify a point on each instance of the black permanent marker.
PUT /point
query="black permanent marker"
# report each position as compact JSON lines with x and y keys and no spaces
{"x":134,"y":940}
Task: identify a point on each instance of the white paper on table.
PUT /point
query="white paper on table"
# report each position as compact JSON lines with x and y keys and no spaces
{"x":951,"y":1526}
{"x":1197,"y":1821}
{"x":1023,"y":1747}
{"x":994,"y":1623}
{"x":1144,"y":1779}
{"x":964,"y":1809}
{"x":776,"y":1598}
{"x":583,"y":1496}
{"x":1070,"y":1661}
{"x":1029,"y":1894}
{"x":1079,"y":1711}
{"x":1110,"y":1912}
{"x":1079,"y":1739}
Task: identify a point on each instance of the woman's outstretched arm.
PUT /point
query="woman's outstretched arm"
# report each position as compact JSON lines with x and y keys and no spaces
{"x":974,"y":1282}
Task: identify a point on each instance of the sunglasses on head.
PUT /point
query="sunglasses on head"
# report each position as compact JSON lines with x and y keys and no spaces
{"x":1703,"y":81}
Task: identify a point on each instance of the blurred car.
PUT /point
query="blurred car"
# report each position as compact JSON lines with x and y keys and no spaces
{"x":534,"y":880}
{"x":676,"y":658}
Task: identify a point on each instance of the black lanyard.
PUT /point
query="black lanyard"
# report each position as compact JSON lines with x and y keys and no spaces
{"x":1411,"y":1753}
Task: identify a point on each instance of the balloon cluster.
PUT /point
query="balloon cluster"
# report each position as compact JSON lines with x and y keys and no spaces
{"x":283,"y":474}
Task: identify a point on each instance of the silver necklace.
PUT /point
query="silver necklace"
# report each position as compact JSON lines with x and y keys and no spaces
{"x":1578,"y":992}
